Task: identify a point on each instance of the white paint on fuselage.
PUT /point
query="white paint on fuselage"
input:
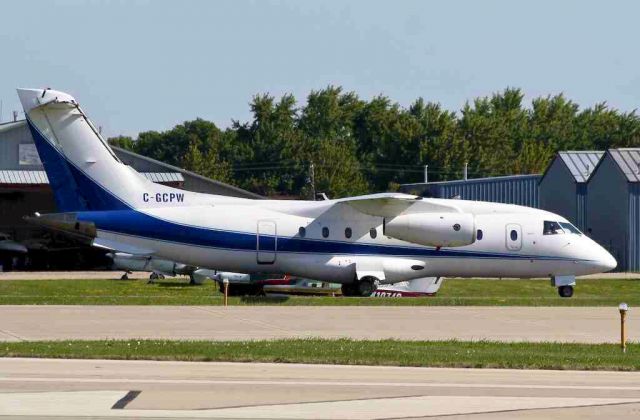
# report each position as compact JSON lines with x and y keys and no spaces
{"x":576,"y":254}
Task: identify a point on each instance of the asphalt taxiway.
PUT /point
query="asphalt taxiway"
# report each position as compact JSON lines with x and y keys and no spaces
{"x":141,"y":389}
{"x":566,"y":324}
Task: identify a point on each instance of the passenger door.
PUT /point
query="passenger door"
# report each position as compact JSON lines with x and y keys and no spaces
{"x":513,"y":237}
{"x":266,"y":242}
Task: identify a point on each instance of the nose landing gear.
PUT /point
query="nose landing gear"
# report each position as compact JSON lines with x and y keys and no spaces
{"x":565,"y":291}
{"x":564,"y":284}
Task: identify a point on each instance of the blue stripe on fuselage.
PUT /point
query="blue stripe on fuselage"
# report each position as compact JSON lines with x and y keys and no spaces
{"x":138,"y":224}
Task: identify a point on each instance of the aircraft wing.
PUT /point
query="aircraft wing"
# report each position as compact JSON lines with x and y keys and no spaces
{"x":120,"y":247}
{"x":393,"y":204}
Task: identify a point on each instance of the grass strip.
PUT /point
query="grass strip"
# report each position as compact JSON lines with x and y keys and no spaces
{"x":465,"y":354}
{"x":473,"y":292}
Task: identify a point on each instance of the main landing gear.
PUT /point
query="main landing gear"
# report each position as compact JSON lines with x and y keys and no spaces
{"x":154,"y":276}
{"x":364,"y":287}
{"x":565,"y":291}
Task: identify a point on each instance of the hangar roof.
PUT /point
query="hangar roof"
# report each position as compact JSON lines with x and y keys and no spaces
{"x":216,"y":187}
{"x":6,"y":126}
{"x":23,"y":177}
{"x":480,"y":180}
{"x":14,"y":177}
{"x":581,"y":163}
{"x":628,"y":160}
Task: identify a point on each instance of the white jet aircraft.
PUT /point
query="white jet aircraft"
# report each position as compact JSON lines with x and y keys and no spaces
{"x":360,"y":242}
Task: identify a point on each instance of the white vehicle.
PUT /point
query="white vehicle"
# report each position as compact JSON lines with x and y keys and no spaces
{"x":361,"y":242}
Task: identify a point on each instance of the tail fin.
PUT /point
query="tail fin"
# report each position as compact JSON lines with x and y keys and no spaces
{"x":83,"y":171}
{"x":65,"y":189}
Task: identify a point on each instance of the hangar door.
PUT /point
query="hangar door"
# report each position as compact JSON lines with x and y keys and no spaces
{"x":266,"y":242}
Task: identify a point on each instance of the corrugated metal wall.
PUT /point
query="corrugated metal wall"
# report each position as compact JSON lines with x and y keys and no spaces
{"x":12,"y":137}
{"x":608,"y":217}
{"x":581,"y":206}
{"x":632,"y":262}
{"x":518,"y":189}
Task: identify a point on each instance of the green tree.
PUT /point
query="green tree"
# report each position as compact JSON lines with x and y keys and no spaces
{"x":326,"y":127}
{"x":208,"y":164}
{"x":123,"y":142}
{"x":266,"y":166}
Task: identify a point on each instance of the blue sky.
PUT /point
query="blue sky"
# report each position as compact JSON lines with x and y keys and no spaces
{"x":142,"y":65}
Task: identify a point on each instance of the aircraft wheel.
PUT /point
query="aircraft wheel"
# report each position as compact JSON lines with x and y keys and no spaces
{"x":565,"y":291}
{"x":125,"y":276}
{"x":348,"y":289}
{"x":367,"y":286}
{"x":153,"y":276}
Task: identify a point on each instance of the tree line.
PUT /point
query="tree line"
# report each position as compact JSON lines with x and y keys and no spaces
{"x":359,"y":146}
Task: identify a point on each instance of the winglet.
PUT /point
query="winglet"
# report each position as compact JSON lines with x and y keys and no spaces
{"x":34,"y":98}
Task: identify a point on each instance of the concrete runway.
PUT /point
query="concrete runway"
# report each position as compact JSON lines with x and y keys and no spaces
{"x":143,"y":389}
{"x":567,"y":324}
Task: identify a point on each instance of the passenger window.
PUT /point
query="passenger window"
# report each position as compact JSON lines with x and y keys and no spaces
{"x":552,"y":228}
{"x":514,"y":235}
{"x":479,"y":234}
{"x":325,"y":232}
{"x":347,"y":233}
{"x":302,"y":232}
{"x":373,"y":233}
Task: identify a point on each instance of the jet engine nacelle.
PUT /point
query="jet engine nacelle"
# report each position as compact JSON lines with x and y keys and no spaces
{"x":438,"y":229}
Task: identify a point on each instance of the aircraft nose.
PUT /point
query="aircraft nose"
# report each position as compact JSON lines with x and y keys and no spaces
{"x":603,"y":260}
{"x":606,"y":261}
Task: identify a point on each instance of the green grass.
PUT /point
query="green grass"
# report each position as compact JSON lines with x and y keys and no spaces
{"x":177,"y":292}
{"x":481,"y":354}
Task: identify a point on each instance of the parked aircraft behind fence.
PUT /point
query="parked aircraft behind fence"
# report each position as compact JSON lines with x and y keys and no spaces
{"x":158,"y":267}
{"x":360,"y":242}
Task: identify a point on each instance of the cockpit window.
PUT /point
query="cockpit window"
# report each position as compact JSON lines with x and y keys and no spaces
{"x":557,"y":228}
{"x":568,"y":227}
{"x":552,"y":228}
